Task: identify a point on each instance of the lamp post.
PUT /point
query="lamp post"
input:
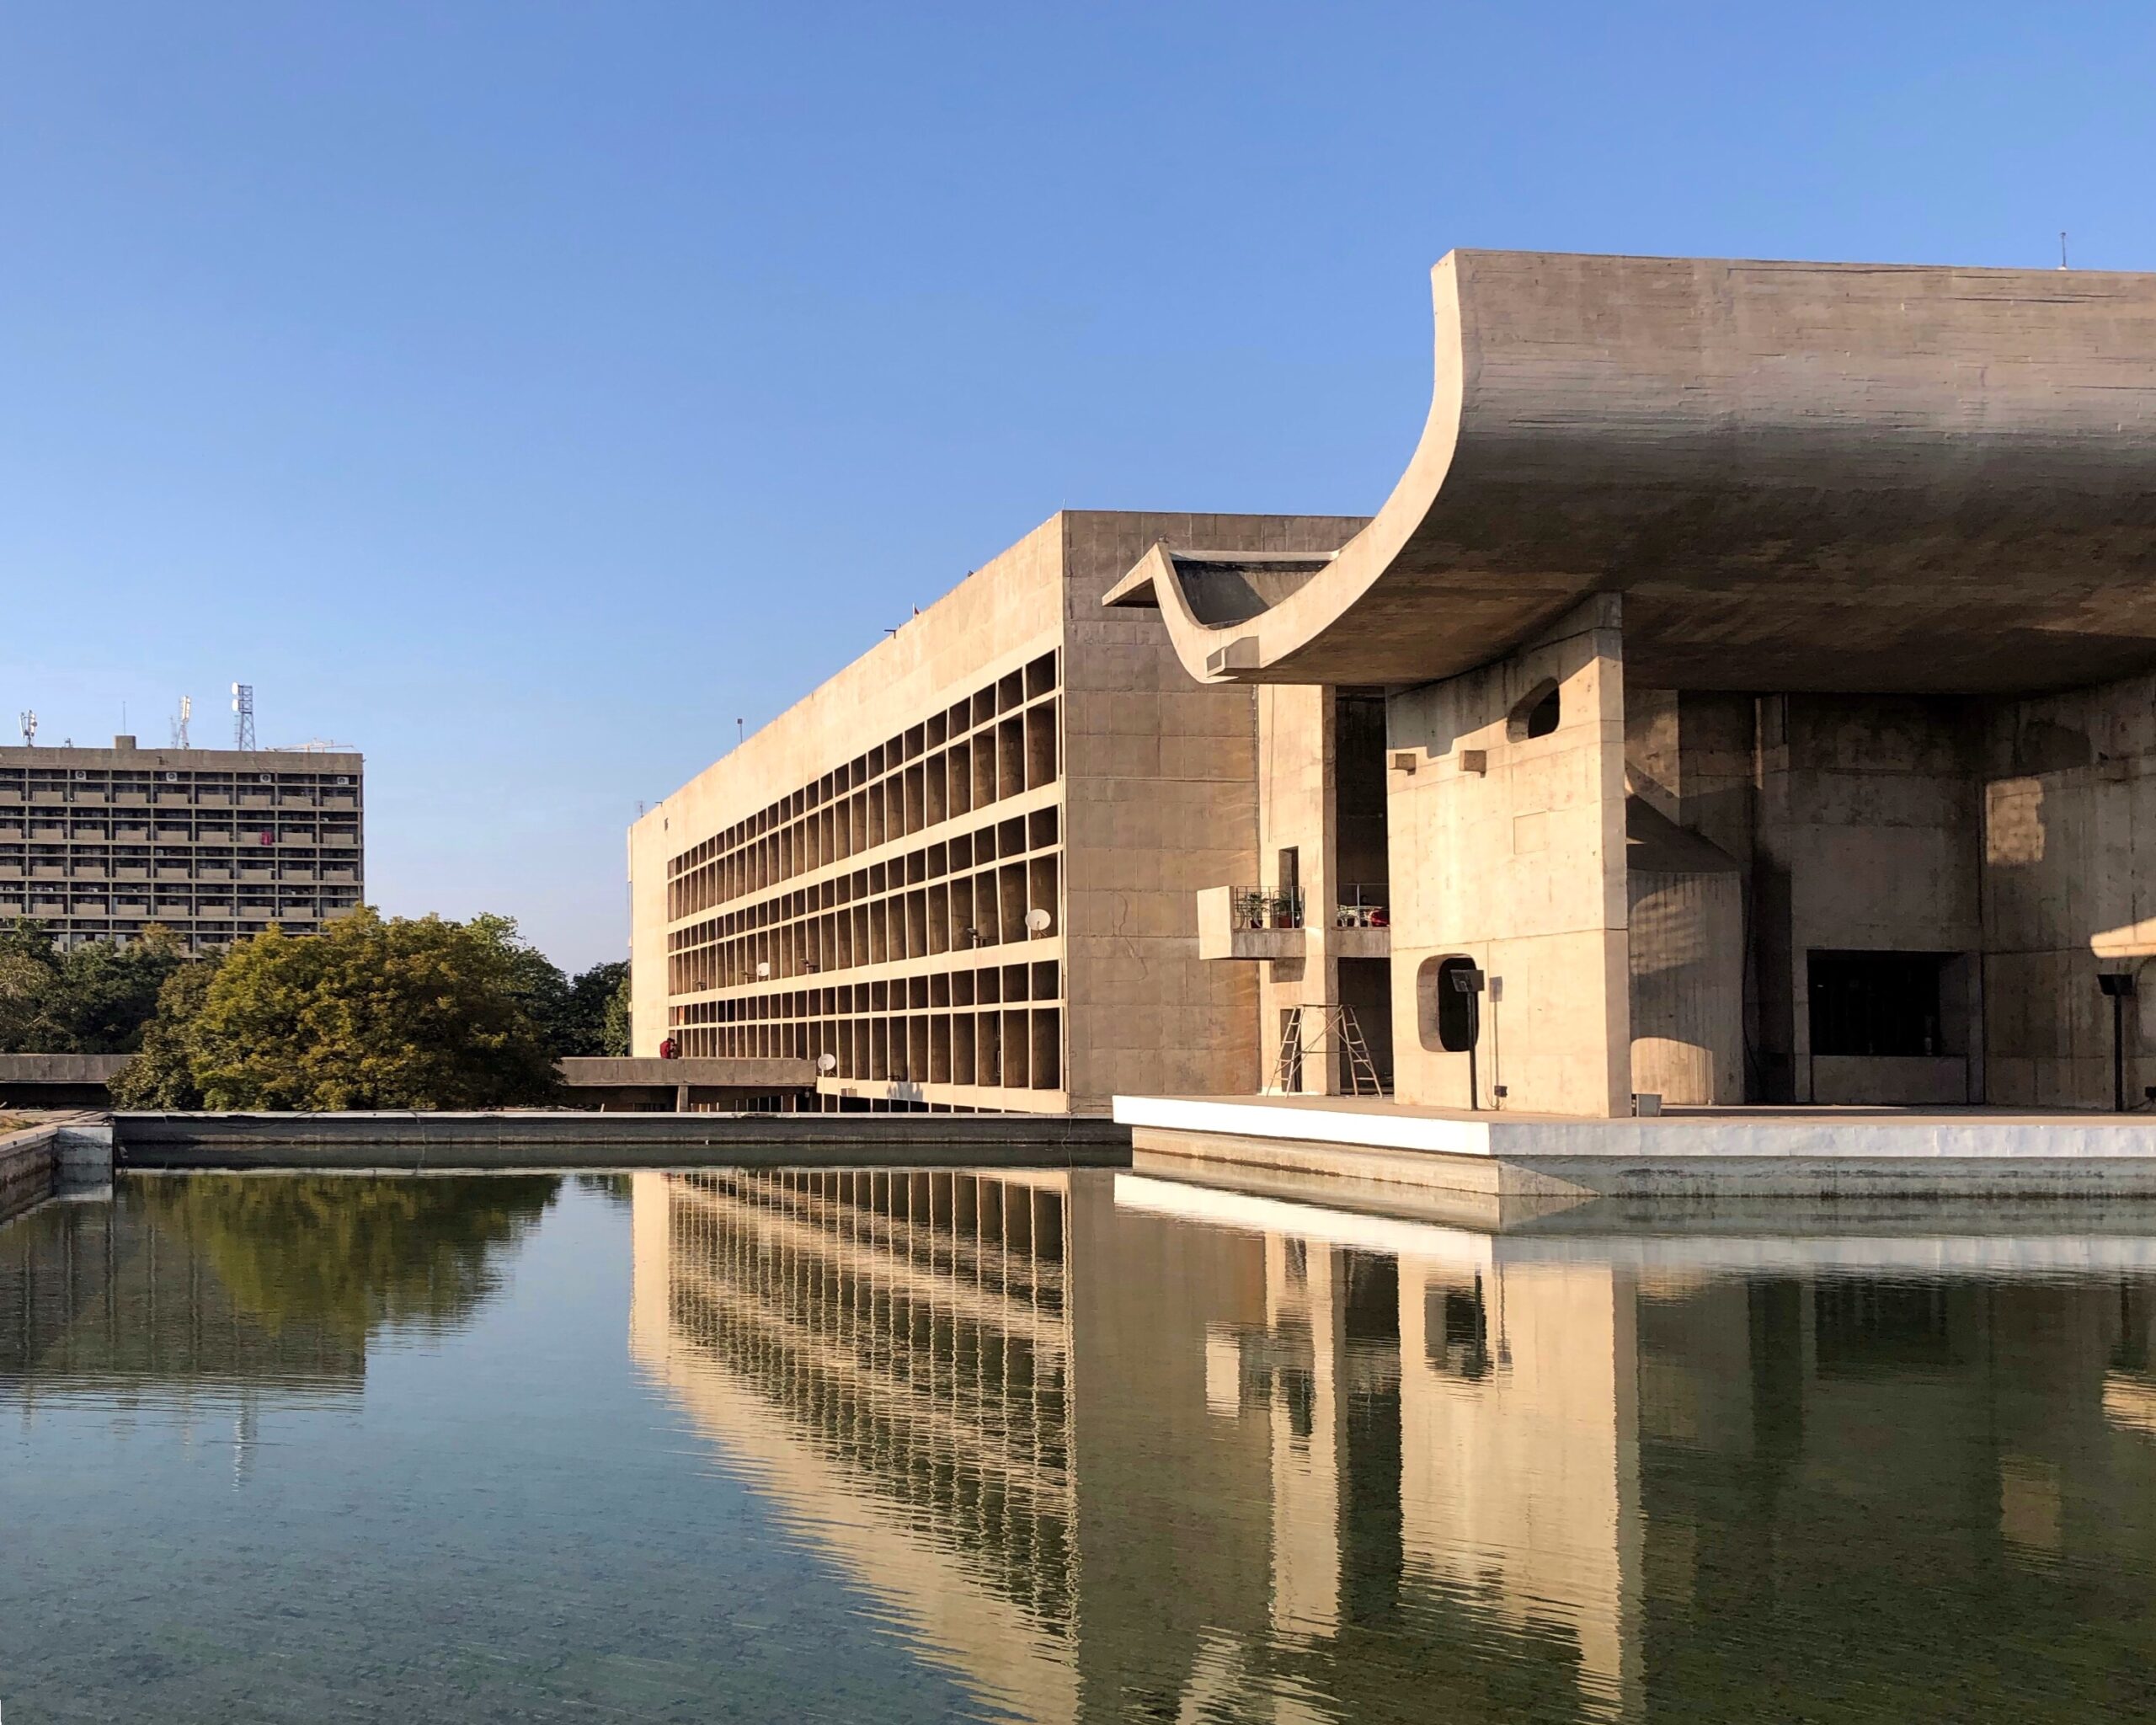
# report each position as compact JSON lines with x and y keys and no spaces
{"x":2118,"y":989}
{"x":1469,"y":980}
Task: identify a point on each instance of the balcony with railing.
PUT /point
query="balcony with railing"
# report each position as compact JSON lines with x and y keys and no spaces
{"x":1258,"y":922}
{"x":1249,"y":922}
{"x":1362,"y":921}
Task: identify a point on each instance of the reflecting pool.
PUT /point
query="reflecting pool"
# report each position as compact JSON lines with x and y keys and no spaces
{"x":1047,"y":1447}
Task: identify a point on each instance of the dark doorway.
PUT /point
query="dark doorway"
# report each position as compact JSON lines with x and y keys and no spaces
{"x":1366,"y":990}
{"x":1890,"y":1004}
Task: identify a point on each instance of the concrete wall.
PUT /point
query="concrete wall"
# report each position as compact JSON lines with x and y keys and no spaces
{"x":1296,"y":767}
{"x":1866,"y":840}
{"x":1686,"y":944}
{"x":1510,"y":850}
{"x":1163,"y":802}
{"x":2069,"y":889}
{"x":1153,"y":798}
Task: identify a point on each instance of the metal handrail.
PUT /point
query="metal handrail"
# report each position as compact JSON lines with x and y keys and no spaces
{"x":1263,"y":907}
{"x":1363,"y":906}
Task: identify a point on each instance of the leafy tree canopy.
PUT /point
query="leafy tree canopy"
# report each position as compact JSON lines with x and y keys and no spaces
{"x":371,"y":1013}
{"x":92,"y":999}
{"x":572,"y":1013}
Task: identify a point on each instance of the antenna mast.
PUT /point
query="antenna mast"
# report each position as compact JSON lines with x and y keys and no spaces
{"x":244,"y":716}
{"x":179,"y":723}
{"x":29,"y":730}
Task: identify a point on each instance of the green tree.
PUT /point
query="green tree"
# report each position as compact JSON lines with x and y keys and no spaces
{"x":93,"y":999}
{"x":371,"y":1013}
{"x":163,"y":1075}
{"x":571,"y":1014}
{"x":593,"y":998}
{"x":29,"y":969}
{"x":614,"y":1020}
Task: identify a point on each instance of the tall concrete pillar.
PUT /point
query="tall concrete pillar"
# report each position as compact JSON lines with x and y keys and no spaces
{"x":1506,"y":814}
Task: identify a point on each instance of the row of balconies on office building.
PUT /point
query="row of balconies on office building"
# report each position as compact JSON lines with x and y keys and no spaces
{"x":288,"y":871}
{"x":78,"y":833}
{"x":72,"y":910}
{"x":1012,"y":1048}
{"x":1002,"y":742}
{"x":997,"y":1026}
{"x":81,"y":796}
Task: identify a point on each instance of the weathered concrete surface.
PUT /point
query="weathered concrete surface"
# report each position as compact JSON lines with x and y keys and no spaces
{"x":57,"y":1081}
{"x":748,"y":1075}
{"x":52,"y":1156}
{"x":29,"y":1169}
{"x":60,"y":1069}
{"x":438,"y":1142}
{"x":855,"y":878}
{"x":1800,"y":476}
{"x":1508,"y":848}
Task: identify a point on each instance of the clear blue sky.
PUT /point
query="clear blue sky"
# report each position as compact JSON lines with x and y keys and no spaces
{"x":524,"y":391}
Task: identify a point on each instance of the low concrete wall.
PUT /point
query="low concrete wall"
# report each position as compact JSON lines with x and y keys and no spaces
{"x":29,"y":1169}
{"x":436,"y":1142}
{"x":53,"y":1156}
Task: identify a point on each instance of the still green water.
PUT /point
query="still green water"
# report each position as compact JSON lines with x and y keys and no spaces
{"x":1093,"y":1446}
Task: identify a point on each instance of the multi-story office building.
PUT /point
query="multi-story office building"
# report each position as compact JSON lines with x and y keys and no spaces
{"x":960,"y":873}
{"x":215,"y":844}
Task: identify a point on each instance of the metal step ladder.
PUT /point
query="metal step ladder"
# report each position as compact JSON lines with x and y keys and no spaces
{"x":1336,"y":1029}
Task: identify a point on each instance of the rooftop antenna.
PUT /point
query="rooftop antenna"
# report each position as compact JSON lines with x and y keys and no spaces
{"x":244,"y":716}
{"x":741,"y":732}
{"x":179,"y":723}
{"x":2062,"y":248}
{"x":29,"y":730}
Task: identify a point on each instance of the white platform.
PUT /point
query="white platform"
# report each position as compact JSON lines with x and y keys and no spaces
{"x":1742,"y":1133}
{"x":1364,"y":1149}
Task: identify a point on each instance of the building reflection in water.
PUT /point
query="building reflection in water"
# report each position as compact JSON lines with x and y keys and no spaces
{"x":1111,"y":1446}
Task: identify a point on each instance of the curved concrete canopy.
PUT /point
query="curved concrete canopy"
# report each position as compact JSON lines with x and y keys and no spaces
{"x":1831,"y":477}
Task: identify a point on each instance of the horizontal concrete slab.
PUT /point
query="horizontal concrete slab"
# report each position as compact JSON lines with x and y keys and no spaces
{"x":585,"y":1071}
{"x":60,"y":1069}
{"x":1513,"y":1164}
{"x":1835,"y":1132}
{"x":443,"y":1142}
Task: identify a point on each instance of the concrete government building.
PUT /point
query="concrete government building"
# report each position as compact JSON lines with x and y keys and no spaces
{"x":1748,"y":693}
{"x":215,"y":844}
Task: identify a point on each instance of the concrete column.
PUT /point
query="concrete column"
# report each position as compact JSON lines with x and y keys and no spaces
{"x":1295,"y":742}
{"x":1506,"y":839}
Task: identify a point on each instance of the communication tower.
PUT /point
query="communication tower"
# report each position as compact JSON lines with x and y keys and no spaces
{"x":29,"y":730}
{"x":243,"y":715}
{"x":179,"y":722}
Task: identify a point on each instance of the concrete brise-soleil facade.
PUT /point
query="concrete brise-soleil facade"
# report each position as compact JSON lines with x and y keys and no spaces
{"x":962,"y":872}
{"x":1753,"y":677}
{"x":214,"y":844}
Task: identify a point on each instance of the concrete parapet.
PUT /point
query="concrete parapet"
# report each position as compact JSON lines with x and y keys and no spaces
{"x":1719,"y":1154}
{"x":55,"y":1155}
{"x":444,"y":1142}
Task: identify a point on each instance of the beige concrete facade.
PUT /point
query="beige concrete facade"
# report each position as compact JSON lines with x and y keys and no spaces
{"x":1742,"y":697}
{"x":214,"y":844}
{"x":963,"y":871}
{"x":1765,"y":654}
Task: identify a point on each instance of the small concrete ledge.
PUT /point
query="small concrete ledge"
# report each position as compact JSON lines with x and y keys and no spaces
{"x":449,"y":1142}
